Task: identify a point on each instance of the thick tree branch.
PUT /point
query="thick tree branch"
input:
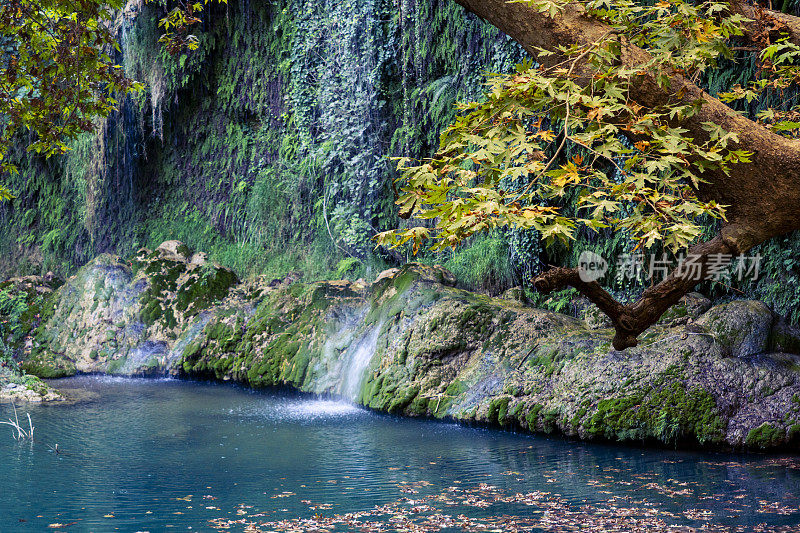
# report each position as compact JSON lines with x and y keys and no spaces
{"x":763,"y":196}
{"x":633,"y":319}
{"x":782,"y":22}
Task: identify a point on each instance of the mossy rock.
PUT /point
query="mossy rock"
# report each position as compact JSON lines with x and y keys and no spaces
{"x":742,"y":326}
{"x":49,"y":366}
{"x":210,"y":286}
{"x":669,"y":415}
{"x":765,"y":436}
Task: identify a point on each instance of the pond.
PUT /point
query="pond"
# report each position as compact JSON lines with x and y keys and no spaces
{"x":162,"y":455}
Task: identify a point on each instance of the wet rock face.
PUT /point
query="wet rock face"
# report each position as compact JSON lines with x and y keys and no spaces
{"x":412,"y":343}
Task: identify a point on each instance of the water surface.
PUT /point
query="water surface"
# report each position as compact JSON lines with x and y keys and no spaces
{"x":156,"y":455}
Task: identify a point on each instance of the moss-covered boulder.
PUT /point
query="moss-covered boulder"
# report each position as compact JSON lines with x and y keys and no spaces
{"x":111,"y":314}
{"x":742,"y":326}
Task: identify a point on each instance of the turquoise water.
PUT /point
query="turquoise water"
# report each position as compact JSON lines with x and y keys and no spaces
{"x":163,"y":455}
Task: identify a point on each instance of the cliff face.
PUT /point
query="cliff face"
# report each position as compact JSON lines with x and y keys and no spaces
{"x":269,"y":147}
{"x":411,"y":343}
{"x":265,"y":146}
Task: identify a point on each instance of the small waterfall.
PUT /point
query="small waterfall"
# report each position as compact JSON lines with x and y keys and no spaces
{"x":355,"y":361}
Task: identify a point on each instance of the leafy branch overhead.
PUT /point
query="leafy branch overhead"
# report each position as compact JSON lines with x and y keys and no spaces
{"x":615,"y":88}
{"x":518,"y":134}
{"x":58,"y":73}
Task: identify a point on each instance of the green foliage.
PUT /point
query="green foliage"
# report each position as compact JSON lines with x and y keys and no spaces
{"x":647,"y":190}
{"x":559,"y":301}
{"x":21,"y":312}
{"x":482,"y":266}
{"x":346,"y":266}
{"x":289,"y":174}
{"x":12,"y":306}
{"x":266,"y":147}
{"x":56,"y":73}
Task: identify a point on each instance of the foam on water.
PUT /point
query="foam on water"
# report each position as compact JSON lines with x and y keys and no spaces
{"x":318,"y":409}
{"x":289,"y":410}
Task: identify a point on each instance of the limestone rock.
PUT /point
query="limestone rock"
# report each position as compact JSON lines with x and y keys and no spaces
{"x":198,"y":259}
{"x":689,"y":308}
{"x":785,"y":338}
{"x":742,"y":326}
{"x":174,"y":251}
{"x":432,"y":274}
{"x":696,"y":304}
{"x":594,"y":318}
{"x":514,"y":294}
{"x":413,"y":344}
{"x":387,"y":274}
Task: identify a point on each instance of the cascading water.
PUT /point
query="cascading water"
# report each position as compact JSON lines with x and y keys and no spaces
{"x":355,"y":361}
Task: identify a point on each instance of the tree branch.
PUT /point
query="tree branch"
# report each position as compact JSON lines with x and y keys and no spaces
{"x":763,"y":196}
{"x":783,"y":22}
{"x":633,"y":319}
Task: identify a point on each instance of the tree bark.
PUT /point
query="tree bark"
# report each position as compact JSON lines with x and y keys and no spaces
{"x":763,"y":196}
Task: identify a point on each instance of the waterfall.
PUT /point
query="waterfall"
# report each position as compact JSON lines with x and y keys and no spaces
{"x":355,"y":361}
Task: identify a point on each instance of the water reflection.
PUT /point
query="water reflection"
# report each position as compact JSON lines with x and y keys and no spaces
{"x":144,"y":455}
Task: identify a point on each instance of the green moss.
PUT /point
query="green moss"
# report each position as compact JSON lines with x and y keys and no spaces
{"x":453,"y":391}
{"x":151,"y":311}
{"x":403,"y":280}
{"x":765,"y":436}
{"x":115,"y":366}
{"x":193,"y":349}
{"x":498,"y":410}
{"x":545,"y":361}
{"x":49,"y":366}
{"x":676,"y":311}
{"x":476,"y":319}
{"x":403,"y":399}
{"x":418,"y":406}
{"x":30,"y":382}
{"x":297,"y":290}
{"x":211,"y":286}
{"x":668,"y":414}
{"x":532,"y":417}
{"x":576,"y":420}
{"x":550,"y":420}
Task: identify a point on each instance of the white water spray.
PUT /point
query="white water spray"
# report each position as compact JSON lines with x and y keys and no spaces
{"x":355,"y":361}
